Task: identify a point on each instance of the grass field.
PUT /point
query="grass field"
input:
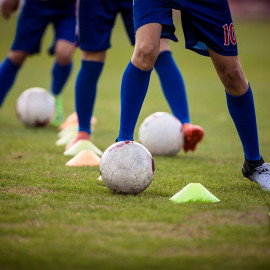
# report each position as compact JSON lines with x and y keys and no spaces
{"x":56,"y":217}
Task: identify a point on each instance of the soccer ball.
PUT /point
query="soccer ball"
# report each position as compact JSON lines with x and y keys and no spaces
{"x":161,"y":133}
{"x":35,"y":107}
{"x":127,"y":167}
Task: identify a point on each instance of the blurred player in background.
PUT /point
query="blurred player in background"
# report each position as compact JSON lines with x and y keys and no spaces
{"x":209,"y":31}
{"x":95,"y":23}
{"x":34,"y":17}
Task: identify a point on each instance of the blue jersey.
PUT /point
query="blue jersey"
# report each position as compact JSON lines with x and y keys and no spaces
{"x":206,"y":23}
{"x":35,"y":17}
{"x":96,"y":20}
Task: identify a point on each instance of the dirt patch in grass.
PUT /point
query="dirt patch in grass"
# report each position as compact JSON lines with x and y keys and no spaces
{"x":142,"y":229}
{"x":26,"y":191}
{"x":233,"y":217}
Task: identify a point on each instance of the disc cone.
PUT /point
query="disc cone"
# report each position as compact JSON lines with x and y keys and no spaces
{"x":70,"y":120}
{"x":73,"y":120}
{"x":69,"y":129}
{"x":66,"y":139}
{"x":82,"y":145}
{"x":84,"y":158}
{"x":194,"y":192}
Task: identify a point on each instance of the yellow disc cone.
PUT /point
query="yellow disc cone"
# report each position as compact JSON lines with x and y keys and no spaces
{"x":82,"y":145}
{"x":66,"y":139}
{"x":194,"y":192}
{"x":69,"y":129}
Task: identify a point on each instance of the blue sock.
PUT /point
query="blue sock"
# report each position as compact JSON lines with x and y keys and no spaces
{"x":242,"y":111}
{"x":133,"y":90}
{"x":8,"y":72}
{"x":85,"y":92}
{"x":173,"y":86}
{"x":60,"y":75}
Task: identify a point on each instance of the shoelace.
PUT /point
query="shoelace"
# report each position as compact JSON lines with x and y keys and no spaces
{"x":264,"y":168}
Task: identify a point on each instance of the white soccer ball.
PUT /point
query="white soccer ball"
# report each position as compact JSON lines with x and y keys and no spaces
{"x":127,"y":167}
{"x":161,"y":133}
{"x":35,"y":107}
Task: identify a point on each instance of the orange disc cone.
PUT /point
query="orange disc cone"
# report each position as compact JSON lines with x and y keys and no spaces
{"x":70,"y":120}
{"x":84,"y":158}
{"x":73,"y":120}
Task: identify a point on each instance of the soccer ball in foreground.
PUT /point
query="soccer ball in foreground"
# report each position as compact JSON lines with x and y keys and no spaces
{"x":161,"y":133}
{"x":35,"y":107}
{"x":127,"y":167}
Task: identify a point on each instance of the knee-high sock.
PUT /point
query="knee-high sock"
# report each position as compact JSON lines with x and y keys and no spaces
{"x":173,"y":86}
{"x":85,"y":92}
{"x":133,"y":90}
{"x":242,"y":111}
{"x":60,"y":75}
{"x":8,"y":72}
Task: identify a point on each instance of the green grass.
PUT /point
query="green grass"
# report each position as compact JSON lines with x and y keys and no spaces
{"x":56,"y":217}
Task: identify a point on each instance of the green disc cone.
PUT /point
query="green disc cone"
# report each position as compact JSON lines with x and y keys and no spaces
{"x":194,"y":192}
{"x":82,"y":145}
{"x":66,"y":139}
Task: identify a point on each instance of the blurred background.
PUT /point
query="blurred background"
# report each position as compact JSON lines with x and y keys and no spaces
{"x":250,"y":9}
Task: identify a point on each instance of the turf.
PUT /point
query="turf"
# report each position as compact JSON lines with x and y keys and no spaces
{"x":55,"y":217}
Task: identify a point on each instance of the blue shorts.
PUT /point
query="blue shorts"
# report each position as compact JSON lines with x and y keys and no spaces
{"x":35,"y":17}
{"x":96,"y":20}
{"x":205,"y":23}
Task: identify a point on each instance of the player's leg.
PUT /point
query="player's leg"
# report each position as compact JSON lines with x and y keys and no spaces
{"x":209,"y":30}
{"x":62,"y":65}
{"x":240,"y":102}
{"x":60,"y":73}
{"x":173,"y":87}
{"x":242,"y":110}
{"x":172,"y":82}
{"x":30,"y":28}
{"x":151,"y":21}
{"x":136,"y":77}
{"x":64,"y":25}
{"x":10,"y":66}
{"x":95,"y":23}
{"x":85,"y":92}
{"x":8,"y":71}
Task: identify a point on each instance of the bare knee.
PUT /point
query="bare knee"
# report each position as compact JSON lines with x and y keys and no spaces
{"x":17,"y":57}
{"x":234,"y":80}
{"x":63,"y":58}
{"x":94,"y":56}
{"x":64,"y":51}
{"x":230,"y":72}
{"x":145,"y":55}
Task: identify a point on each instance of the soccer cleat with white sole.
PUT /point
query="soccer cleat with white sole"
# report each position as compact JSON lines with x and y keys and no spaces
{"x":259,"y":173}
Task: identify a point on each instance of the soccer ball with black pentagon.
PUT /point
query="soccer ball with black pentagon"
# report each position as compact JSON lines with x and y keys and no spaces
{"x":127,"y":167}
